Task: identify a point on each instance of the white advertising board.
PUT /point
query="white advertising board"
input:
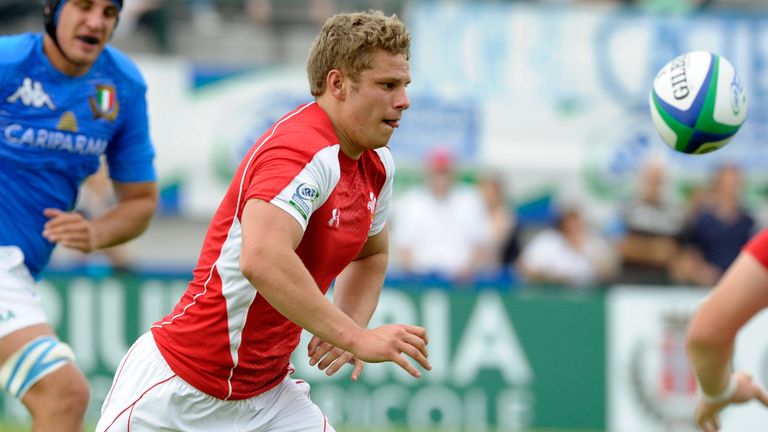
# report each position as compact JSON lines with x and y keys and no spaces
{"x":650,"y":384}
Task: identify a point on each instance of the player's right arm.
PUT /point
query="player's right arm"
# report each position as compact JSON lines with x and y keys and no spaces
{"x":129,"y":218}
{"x":269,"y":261}
{"x":738,"y":296}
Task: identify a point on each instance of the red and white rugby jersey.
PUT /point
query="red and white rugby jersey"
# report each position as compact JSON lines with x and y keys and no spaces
{"x":758,"y":247}
{"x":223,"y":337}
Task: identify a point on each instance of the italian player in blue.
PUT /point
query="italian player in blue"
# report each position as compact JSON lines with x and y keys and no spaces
{"x":66,"y":100}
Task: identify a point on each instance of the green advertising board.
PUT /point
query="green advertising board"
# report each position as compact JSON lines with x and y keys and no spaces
{"x":512,"y":361}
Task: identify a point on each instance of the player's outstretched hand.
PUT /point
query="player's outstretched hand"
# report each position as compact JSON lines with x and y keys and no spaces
{"x":72,"y":230}
{"x":390,"y":342}
{"x":707,"y":414}
{"x":330,"y":358}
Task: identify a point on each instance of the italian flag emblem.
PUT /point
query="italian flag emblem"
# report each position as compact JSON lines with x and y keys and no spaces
{"x":104,"y":104}
{"x":106,"y":99}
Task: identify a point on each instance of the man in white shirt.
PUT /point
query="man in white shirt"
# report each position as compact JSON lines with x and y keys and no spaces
{"x":441,"y":228}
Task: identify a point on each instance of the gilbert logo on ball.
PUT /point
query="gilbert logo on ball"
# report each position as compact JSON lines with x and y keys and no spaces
{"x":698,"y":102}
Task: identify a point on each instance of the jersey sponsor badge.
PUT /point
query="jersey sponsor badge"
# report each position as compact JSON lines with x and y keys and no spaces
{"x":304,"y":195}
{"x":105,"y":104}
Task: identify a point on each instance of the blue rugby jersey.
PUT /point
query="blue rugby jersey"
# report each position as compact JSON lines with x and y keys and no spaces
{"x":54,"y":128}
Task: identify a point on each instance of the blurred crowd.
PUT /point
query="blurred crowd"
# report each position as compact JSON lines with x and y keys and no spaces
{"x":466,"y":229}
{"x":455,"y":230}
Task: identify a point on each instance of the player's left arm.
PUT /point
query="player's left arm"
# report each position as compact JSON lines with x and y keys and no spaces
{"x":358,"y":287}
{"x":356,"y":292}
{"x":136,"y":203}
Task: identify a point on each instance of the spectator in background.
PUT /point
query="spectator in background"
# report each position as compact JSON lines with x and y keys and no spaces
{"x":205,"y":16}
{"x":505,"y":231}
{"x":96,"y":197}
{"x":441,"y":228}
{"x":154,"y":14}
{"x":569,"y":254}
{"x":717,"y":232}
{"x":653,"y":226}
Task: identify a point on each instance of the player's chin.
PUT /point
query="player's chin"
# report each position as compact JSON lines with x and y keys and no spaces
{"x":387,"y":131}
{"x":85,"y":52}
{"x":81,"y":58}
{"x":379,"y":143}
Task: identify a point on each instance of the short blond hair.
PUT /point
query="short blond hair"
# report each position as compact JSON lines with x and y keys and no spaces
{"x":347,"y":41}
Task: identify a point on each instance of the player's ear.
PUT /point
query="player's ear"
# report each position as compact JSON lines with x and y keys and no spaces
{"x":335,"y":83}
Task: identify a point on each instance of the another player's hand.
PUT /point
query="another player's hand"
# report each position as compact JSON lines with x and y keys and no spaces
{"x":72,"y":230}
{"x":707,"y":415}
{"x":330,"y":358}
{"x":390,"y":342}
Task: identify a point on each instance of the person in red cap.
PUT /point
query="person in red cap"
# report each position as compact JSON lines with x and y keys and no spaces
{"x":442,"y":228}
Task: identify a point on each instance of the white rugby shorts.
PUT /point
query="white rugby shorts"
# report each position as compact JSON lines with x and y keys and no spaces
{"x":146,"y":395}
{"x":19,"y":300}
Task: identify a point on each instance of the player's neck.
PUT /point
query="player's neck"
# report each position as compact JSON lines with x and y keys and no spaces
{"x":331,"y":109}
{"x":60,"y":61}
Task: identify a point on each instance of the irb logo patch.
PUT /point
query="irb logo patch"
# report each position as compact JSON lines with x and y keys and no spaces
{"x":303,"y":198}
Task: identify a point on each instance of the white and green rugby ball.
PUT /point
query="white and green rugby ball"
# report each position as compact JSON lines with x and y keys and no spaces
{"x":698,"y":102}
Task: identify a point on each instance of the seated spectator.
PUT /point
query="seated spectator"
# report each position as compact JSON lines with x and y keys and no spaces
{"x":717,"y":231}
{"x":504,"y":227}
{"x":568,"y":254}
{"x":154,"y":14}
{"x":442,"y":227}
{"x":653,"y":225}
{"x":205,"y":16}
{"x":97,"y":197}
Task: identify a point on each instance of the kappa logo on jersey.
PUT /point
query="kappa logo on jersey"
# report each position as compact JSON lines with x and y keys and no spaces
{"x":303,"y":197}
{"x":372,"y":204}
{"x":31,"y":93}
{"x":105,"y":104}
{"x":333,"y":222}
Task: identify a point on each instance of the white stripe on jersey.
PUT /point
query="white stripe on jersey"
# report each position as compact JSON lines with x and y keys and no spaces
{"x":194,"y":301}
{"x":385,"y":196}
{"x":324,"y":172}
{"x":237,"y":291}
